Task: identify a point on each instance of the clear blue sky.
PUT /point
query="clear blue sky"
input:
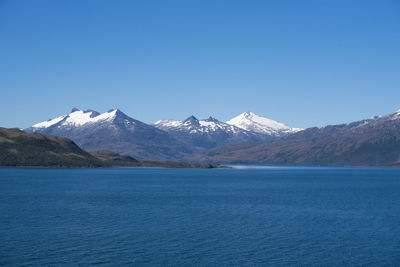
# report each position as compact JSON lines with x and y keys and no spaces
{"x":304,"y":63}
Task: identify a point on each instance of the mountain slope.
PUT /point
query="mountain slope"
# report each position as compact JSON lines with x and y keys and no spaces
{"x":255,"y":123}
{"x":114,"y":131}
{"x":18,"y":148}
{"x":209,"y":133}
{"x":368,"y":142}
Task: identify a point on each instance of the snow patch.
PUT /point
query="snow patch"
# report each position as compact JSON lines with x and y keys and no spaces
{"x":80,"y":117}
{"x":46,"y":124}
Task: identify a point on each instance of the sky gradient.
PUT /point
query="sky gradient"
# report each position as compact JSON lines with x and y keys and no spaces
{"x":303,"y":63}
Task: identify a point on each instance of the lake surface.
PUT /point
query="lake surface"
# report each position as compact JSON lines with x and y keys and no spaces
{"x":275,"y":216}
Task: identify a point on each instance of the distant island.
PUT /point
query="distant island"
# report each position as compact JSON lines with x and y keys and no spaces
{"x":21,"y":149}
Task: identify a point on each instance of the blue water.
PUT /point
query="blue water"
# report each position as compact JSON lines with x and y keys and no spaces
{"x":193,"y":217}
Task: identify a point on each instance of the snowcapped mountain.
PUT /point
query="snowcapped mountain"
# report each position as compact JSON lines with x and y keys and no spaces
{"x":76,"y":118}
{"x":207,"y":133}
{"x":255,"y":123}
{"x":193,"y":126}
{"x":114,"y":131}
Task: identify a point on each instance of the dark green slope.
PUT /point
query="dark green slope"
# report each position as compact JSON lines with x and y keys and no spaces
{"x":18,"y":148}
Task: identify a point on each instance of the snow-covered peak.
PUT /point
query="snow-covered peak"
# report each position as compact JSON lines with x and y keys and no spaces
{"x":255,"y":123}
{"x":78,"y":117}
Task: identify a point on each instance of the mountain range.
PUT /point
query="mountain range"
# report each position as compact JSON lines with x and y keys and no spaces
{"x":247,"y":138}
{"x":165,"y":140}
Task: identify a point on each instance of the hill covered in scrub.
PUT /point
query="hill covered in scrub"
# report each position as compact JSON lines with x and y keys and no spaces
{"x":37,"y":150}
